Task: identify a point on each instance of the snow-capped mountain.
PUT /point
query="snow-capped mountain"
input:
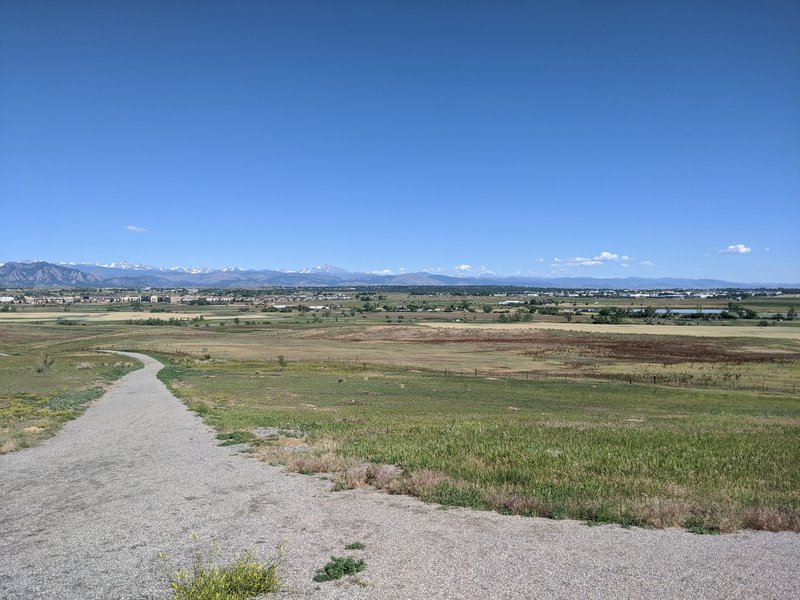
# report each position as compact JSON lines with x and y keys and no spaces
{"x":132,"y":275}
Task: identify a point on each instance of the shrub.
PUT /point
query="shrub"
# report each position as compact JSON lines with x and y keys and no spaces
{"x":338,"y":567}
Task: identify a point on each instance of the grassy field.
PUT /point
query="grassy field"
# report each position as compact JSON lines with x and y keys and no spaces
{"x":605,"y":423}
{"x":647,"y":455}
{"x":39,"y":392}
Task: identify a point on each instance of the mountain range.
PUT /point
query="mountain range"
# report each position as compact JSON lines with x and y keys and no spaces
{"x":125,"y":275}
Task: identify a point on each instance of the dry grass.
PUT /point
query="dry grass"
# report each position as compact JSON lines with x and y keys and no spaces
{"x":8,"y":446}
{"x":371,"y":474}
{"x":787,"y":332}
{"x":316,"y":463}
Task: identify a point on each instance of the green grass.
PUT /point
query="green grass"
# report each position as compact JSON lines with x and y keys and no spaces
{"x":601,"y":452}
{"x":35,"y":402}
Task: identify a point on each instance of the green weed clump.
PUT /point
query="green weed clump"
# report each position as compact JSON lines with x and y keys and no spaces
{"x":338,"y":567}
{"x":355,"y":546}
{"x":201,"y":408}
{"x":235,"y":437}
{"x":245,"y":577}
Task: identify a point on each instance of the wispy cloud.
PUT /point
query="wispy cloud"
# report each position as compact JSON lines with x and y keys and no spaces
{"x":136,"y":229}
{"x":463,"y":268}
{"x":737,"y":249}
{"x":647,"y":263}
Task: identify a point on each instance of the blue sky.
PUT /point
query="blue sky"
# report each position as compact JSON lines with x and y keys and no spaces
{"x":608,"y":139}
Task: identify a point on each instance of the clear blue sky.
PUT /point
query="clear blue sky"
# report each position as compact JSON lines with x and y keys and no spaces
{"x":590,"y":138}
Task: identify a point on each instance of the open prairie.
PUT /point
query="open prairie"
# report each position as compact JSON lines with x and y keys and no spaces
{"x":694,"y":428}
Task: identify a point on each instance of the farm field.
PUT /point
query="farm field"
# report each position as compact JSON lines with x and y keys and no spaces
{"x":689,"y":427}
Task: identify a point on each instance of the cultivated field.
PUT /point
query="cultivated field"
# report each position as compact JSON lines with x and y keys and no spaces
{"x":657,"y":425}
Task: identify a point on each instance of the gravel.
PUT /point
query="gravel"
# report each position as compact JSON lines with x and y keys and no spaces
{"x":86,"y":514}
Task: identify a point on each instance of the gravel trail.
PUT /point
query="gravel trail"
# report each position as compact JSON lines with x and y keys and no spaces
{"x":86,"y":514}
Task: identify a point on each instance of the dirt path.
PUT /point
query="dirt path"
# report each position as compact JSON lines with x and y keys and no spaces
{"x":86,"y":514}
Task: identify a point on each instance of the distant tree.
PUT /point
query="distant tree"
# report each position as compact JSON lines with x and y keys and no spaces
{"x":45,"y":362}
{"x":792,"y":314}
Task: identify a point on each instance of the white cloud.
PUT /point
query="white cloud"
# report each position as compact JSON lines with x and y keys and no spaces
{"x":462,"y":268}
{"x":736,"y":249}
{"x":647,"y":263}
{"x":607,"y":256}
{"x":626,"y":265}
{"x":136,"y":229}
{"x":383,"y":272}
{"x":595,"y":261}
{"x":539,"y":260}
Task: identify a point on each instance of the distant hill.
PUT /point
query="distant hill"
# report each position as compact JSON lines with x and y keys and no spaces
{"x":48,"y":275}
{"x":43,"y":274}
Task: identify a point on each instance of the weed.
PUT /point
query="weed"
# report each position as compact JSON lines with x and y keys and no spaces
{"x":698,"y":525}
{"x":598,"y":515}
{"x":201,"y":408}
{"x":74,"y":400}
{"x":338,"y":567}
{"x":355,"y":546}
{"x":236,"y":437}
{"x":245,"y":577}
